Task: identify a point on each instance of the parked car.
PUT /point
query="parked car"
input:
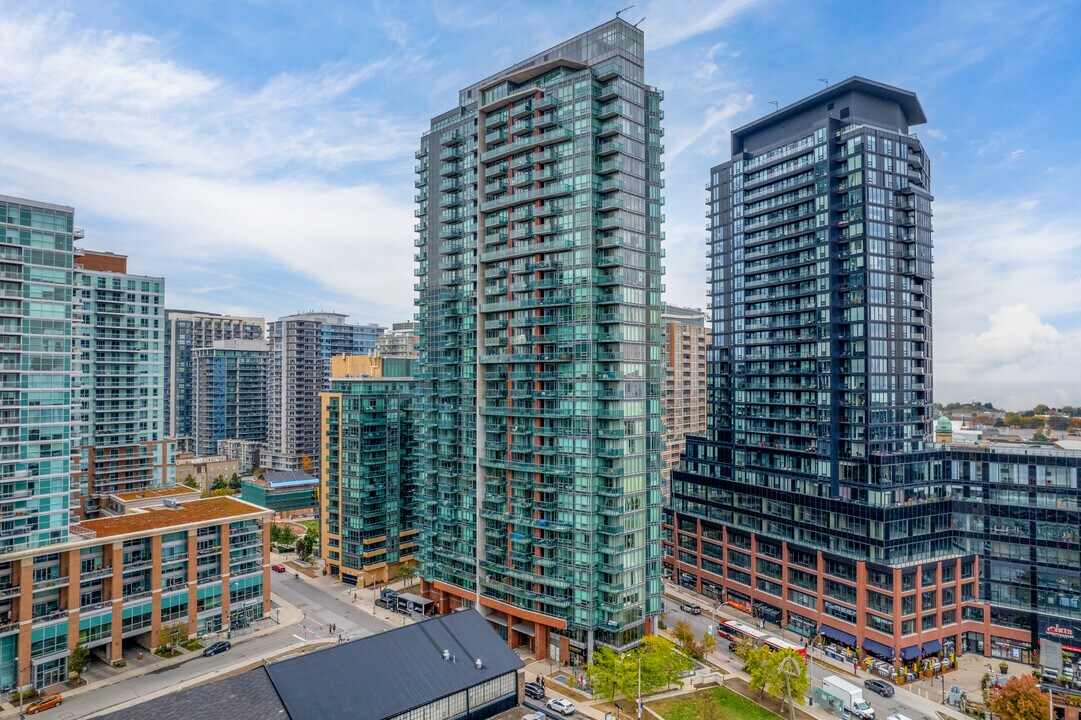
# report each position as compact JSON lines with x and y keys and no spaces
{"x":881,"y":687}
{"x":277,"y":568}
{"x":218,"y":647}
{"x":691,"y":608}
{"x":535,"y":716}
{"x":44,"y":703}
{"x":561,"y":706}
{"x":534,"y":690}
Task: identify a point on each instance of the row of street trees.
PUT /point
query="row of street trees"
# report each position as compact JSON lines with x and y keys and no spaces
{"x":656,"y":660}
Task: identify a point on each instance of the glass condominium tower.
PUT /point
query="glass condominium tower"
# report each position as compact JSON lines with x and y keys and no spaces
{"x":35,"y":372}
{"x":539,"y":419}
{"x":815,"y":461}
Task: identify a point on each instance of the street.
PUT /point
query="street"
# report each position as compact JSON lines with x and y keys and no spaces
{"x":320,"y":610}
{"x":902,"y":701}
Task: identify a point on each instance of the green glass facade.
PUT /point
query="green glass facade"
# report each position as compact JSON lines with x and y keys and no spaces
{"x":369,"y":489}
{"x":229,"y":397}
{"x":35,"y":372}
{"x":539,"y":419}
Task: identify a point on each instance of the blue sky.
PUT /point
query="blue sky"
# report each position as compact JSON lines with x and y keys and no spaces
{"x":259,"y":154}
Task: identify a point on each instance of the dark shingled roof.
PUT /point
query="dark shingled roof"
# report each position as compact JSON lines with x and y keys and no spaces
{"x":383,"y":675}
{"x":248,"y":696}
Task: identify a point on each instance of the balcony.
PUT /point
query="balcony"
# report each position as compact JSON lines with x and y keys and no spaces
{"x":97,"y":574}
{"x":52,"y":583}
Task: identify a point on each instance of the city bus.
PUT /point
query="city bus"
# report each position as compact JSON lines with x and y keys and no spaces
{"x":776,"y":643}
{"x":735,"y":630}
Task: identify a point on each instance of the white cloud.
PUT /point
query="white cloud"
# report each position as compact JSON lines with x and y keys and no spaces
{"x":936,"y":134}
{"x":1015,"y":336}
{"x":188,"y":166}
{"x":668,"y":23}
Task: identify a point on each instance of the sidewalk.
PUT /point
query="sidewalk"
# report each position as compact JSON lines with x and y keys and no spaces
{"x":362,"y":598}
{"x":290,"y":615}
{"x":923,"y":695}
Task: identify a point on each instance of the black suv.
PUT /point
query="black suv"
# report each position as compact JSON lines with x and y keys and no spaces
{"x":691,"y":608}
{"x":534,"y":690}
{"x":881,"y":687}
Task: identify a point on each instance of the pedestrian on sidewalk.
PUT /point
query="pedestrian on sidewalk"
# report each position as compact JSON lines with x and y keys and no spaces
{"x":542,"y":681}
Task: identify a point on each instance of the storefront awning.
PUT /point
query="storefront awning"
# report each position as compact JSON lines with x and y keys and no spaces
{"x":839,"y":635}
{"x":910,"y":653}
{"x":931,"y":647}
{"x":876,"y":648}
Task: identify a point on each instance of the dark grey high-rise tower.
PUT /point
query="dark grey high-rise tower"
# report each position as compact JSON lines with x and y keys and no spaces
{"x":819,"y":371}
{"x":540,"y":373}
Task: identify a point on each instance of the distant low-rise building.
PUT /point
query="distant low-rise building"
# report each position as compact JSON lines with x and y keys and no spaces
{"x":287,"y":492}
{"x":247,"y":453}
{"x":204,"y":469}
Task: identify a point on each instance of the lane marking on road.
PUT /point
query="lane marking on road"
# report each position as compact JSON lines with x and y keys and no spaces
{"x":298,"y":637}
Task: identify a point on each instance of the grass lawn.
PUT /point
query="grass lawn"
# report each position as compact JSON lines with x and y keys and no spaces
{"x":310,"y":524}
{"x":713,"y":704}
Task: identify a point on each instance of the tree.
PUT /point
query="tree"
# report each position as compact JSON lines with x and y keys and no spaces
{"x":1020,"y":699}
{"x":191,"y":482}
{"x":662,"y":663}
{"x":306,"y":545}
{"x":754,"y":664}
{"x":1058,"y":422}
{"x":306,"y":464}
{"x":1040,"y":409}
{"x":606,"y":673}
{"x":406,"y":573}
{"x":80,"y":656}
{"x":282,"y":536}
{"x":785,"y":677}
{"x":695,"y":648}
{"x":1040,"y":437}
{"x":234,"y":483}
{"x":219,"y":484}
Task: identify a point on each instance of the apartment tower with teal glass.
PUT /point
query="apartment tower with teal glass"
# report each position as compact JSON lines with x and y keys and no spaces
{"x":539,"y":419}
{"x":35,"y":372}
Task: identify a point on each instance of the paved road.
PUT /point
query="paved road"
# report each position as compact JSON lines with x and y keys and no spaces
{"x":883,"y":706}
{"x":320,"y":608}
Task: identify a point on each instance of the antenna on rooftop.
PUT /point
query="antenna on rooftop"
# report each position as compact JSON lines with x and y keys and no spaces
{"x":774,"y":103}
{"x":640,"y":21}
{"x":619,"y":12}
{"x":824,"y":81}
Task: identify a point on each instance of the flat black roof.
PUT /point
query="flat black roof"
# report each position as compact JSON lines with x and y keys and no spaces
{"x":248,"y":696}
{"x":907,"y":99}
{"x":386,"y":674}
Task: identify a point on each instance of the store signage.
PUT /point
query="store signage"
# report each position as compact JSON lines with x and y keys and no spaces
{"x":1059,"y":631}
{"x":738,"y":605}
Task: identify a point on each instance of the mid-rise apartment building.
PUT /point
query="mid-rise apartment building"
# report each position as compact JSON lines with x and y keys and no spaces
{"x":200,"y":563}
{"x":539,"y":381}
{"x":186,"y":331}
{"x":229,"y":394}
{"x":35,"y":372}
{"x":301,"y":348}
{"x":118,"y":374}
{"x":369,"y":518}
{"x":245,"y":452}
{"x":686,"y":337}
{"x":399,"y":341}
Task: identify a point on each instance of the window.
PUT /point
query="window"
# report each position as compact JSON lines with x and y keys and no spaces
{"x":840,"y":591}
{"x":908,"y":605}
{"x":968,"y":592}
{"x":966,"y":569}
{"x":948,"y":572}
{"x":840,"y":612}
{"x":768,"y":587}
{"x":949,"y":617}
{"x":929,"y":622}
{"x":972,"y":613}
{"x":928,"y":600}
{"x":803,"y":599}
{"x":769,"y":568}
{"x":881,"y":624}
{"x":949,"y":596}
{"x":908,"y":627}
{"x":928,"y":577}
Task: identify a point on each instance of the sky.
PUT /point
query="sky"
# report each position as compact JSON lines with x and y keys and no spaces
{"x":259,"y":154}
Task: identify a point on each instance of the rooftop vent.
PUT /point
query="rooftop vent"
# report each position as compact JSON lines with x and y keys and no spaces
{"x":478,"y":663}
